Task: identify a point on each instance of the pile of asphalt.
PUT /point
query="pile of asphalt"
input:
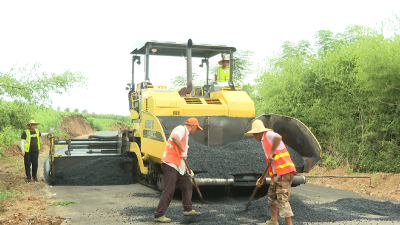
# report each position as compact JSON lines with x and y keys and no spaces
{"x":242,"y":157}
{"x":99,"y":171}
{"x":228,"y":210}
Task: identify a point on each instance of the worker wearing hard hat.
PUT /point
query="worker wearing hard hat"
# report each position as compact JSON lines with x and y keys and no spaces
{"x":175,"y":170}
{"x":282,"y":171}
{"x":222,"y":73}
{"x":30,"y":146}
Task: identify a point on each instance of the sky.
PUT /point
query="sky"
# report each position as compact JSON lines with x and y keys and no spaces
{"x":95,"y":37}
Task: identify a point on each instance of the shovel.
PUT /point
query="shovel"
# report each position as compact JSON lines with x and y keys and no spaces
{"x":256,"y":189}
{"x":194,"y":181}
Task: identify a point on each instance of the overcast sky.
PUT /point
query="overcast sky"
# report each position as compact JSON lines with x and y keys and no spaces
{"x":95,"y":37}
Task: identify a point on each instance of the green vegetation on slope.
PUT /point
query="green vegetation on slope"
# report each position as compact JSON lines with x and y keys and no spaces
{"x":347,"y":92}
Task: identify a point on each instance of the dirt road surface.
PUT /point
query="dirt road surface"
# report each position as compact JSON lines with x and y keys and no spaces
{"x":135,"y":204}
{"x":125,"y":204}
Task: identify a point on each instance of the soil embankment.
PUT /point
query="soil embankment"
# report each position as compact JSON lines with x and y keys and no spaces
{"x":32,"y":203}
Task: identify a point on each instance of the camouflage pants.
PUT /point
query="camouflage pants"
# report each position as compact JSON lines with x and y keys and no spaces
{"x":279,"y":194}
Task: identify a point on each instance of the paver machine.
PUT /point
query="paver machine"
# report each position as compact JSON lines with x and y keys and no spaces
{"x":223,"y":110}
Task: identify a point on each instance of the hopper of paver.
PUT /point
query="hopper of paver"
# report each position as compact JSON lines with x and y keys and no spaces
{"x":241,"y":162}
{"x":298,"y":137}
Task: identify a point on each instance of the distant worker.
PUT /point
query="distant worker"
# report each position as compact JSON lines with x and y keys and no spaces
{"x":175,"y":170}
{"x":30,"y":146}
{"x":222,"y":73}
{"x":282,"y":171}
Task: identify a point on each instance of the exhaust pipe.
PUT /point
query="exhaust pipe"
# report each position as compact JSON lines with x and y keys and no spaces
{"x":189,"y":66}
{"x":231,"y":84}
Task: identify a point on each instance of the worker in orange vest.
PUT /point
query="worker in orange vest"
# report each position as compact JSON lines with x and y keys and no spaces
{"x":282,"y":171}
{"x":175,"y":170}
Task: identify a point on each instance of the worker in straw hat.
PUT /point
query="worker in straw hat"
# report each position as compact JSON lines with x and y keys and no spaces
{"x":282,"y":171}
{"x":222,"y":73}
{"x":30,"y":146}
{"x":175,"y":170}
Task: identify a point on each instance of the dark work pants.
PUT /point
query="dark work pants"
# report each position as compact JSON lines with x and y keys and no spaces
{"x":172,"y":178}
{"x":31,"y":158}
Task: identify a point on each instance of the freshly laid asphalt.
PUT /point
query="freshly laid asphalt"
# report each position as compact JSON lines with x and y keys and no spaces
{"x":135,"y":204}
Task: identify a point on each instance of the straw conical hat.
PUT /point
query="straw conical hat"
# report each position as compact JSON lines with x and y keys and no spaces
{"x":256,"y":127}
{"x":30,"y":123}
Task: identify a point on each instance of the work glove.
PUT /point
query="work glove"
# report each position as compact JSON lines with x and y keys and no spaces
{"x":184,"y":157}
{"x":191,"y":174}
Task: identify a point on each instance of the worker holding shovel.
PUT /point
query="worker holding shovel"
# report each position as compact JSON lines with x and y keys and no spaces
{"x":173,"y":165}
{"x":282,"y":171}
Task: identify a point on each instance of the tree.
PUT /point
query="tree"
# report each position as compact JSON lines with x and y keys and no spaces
{"x":341,"y":93}
{"x":67,"y":110}
{"x":76,"y":110}
{"x":58,"y":108}
{"x":85,"y":111}
{"x":30,"y":86}
{"x":181,"y":81}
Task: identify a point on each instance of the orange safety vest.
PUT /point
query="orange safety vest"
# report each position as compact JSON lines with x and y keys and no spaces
{"x":283,"y":163}
{"x":172,"y":153}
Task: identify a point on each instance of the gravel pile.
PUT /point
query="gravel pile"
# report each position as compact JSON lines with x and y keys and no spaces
{"x":228,"y":210}
{"x":241,"y":157}
{"x":100,"y":171}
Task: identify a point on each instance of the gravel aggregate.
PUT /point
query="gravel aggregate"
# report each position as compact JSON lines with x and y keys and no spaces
{"x":231,"y":210}
{"x":242,"y":157}
{"x":100,"y":171}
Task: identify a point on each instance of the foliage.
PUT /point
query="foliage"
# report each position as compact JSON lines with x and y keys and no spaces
{"x":181,"y":81}
{"x":31,"y":86}
{"x":15,"y":115}
{"x":117,"y":118}
{"x":242,"y":65}
{"x":64,"y":203}
{"x":4,"y":193}
{"x":347,"y":92}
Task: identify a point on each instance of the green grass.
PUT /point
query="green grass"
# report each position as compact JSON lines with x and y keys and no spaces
{"x":4,"y":193}
{"x":64,"y":203}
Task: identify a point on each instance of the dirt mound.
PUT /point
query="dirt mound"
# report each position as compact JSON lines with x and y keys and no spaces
{"x":75,"y":126}
{"x":383,"y":185}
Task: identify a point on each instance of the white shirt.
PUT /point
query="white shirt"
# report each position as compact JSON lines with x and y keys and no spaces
{"x":180,"y":131}
{"x":270,"y":136}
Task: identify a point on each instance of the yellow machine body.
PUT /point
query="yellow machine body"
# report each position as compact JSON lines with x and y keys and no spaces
{"x":160,"y":104}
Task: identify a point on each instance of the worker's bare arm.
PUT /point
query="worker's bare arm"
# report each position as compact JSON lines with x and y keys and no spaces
{"x":275,"y":143}
{"x":177,"y":141}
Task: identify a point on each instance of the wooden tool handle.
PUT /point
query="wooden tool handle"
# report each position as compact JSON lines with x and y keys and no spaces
{"x":263,"y":176}
{"x":194,"y":181}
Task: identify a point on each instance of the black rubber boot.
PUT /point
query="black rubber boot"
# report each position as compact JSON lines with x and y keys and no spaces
{"x":28,"y":179}
{"x":35,"y":179}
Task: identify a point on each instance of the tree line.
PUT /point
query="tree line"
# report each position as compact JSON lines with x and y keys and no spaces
{"x":345,"y":87}
{"x":346,"y":90}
